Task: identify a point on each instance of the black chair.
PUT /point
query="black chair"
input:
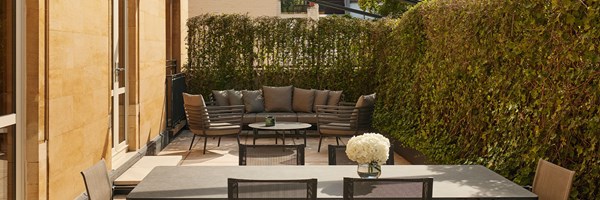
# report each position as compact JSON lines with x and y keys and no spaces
{"x":337,"y":156}
{"x":388,"y":188}
{"x":271,"y":154}
{"x":271,"y":189}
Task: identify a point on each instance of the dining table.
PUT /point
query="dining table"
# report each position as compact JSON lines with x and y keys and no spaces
{"x":210,"y":182}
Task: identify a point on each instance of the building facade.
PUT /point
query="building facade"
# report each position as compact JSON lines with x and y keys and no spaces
{"x":81,"y":81}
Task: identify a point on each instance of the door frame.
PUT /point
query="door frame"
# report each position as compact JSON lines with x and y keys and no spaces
{"x":119,"y":68}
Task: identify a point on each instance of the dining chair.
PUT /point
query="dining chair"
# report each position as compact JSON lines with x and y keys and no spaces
{"x":97,"y":182}
{"x":388,"y":188}
{"x":552,"y":182}
{"x":342,"y":121}
{"x":271,"y":154}
{"x":212,"y":121}
{"x":337,"y":156}
{"x":271,"y":189}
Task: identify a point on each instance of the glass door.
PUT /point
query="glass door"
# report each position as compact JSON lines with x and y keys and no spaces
{"x":8,"y":115}
{"x":119,"y":126}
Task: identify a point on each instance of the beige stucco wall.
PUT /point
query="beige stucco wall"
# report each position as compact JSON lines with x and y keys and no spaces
{"x":253,"y":8}
{"x":152,"y":72}
{"x":78,"y":92}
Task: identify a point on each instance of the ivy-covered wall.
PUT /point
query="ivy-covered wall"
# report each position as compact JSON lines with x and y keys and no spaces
{"x":239,"y":52}
{"x":497,"y":83}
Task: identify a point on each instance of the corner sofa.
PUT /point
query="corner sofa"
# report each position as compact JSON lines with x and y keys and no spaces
{"x":284,"y":103}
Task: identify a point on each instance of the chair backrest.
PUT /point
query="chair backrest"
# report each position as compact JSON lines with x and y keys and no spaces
{"x":97,"y":183}
{"x":357,"y":118}
{"x":271,"y":189}
{"x":338,"y":156}
{"x":271,"y":154}
{"x":552,"y":182}
{"x":202,"y":117}
{"x":388,"y":188}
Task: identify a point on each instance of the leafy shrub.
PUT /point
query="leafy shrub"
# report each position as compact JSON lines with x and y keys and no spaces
{"x":497,"y":83}
{"x":236,"y":51}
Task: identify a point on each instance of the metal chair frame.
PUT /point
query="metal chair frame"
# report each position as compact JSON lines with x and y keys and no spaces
{"x":214,"y":121}
{"x":243,"y":152}
{"x":233,"y":186}
{"x":427,"y":192}
{"x":342,"y":121}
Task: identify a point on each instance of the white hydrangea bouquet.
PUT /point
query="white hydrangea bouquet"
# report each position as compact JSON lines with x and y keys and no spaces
{"x":368,"y":148}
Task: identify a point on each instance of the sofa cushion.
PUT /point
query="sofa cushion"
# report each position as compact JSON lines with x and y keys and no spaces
{"x":333,"y":99}
{"x":366,"y":101}
{"x":303,"y":100}
{"x":221,"y":97}
{"x":279,"y":116}
{"x":320,"y":98}
{"x":253,"y":101}
{"x":249,"y":118}
{"x":235,"y":97}
{"x":278,"y":99}
{"x":310,"y":118}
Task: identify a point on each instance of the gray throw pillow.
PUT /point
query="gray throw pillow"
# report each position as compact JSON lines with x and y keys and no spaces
{"x":235,"y":97}
{"x":253,"y":101}
{"x":303,"y":100}
{"x":333,"y":98}
{"x":366,"y":101}
{"x":221,"y":97}
{"x":320,"y":98}
{"x":278,"y":99}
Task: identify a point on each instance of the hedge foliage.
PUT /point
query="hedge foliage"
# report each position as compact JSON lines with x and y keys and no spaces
{"x":239,"y":52}
{"x":497,"y":83}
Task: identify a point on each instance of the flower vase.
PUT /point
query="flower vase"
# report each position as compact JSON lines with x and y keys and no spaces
{"x":369,"y":170}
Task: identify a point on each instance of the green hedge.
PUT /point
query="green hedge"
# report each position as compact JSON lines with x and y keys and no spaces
{"x":497,"y":83}
{"x":239,"y":52}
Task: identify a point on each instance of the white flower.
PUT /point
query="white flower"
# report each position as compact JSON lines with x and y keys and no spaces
{"x":367,"y":148}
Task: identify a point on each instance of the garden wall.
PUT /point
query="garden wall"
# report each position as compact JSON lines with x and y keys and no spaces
{"x":497,"y":83}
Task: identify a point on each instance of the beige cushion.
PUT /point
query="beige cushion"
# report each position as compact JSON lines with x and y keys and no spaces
{"x":333,"y":99}
{"x":278,"y":99}
{"x":310,"y":118}
{"x":303,"y":100}
{"x":366,"y":101}
{"x":235,"y":97}
{"x":320,"y":98}
{"x":221,"y":97}
{"x":193,"y":100}
{"x":253,"y":101}
{"x":249,"y":118}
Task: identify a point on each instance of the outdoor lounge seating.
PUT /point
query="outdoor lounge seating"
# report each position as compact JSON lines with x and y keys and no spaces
{"x":552,"y":182}
{"x":272,"y":189}
{"x":345,"y":121}
{"x":97,"y":183}
{"x":286,"y":103}
{"x":388,"y":188}
{"x":211,"y":121}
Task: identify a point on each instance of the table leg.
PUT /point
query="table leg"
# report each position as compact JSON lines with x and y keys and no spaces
{"x":255,"y":135}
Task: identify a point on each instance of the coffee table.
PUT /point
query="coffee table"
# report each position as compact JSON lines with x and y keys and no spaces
{"x":280,"y":128}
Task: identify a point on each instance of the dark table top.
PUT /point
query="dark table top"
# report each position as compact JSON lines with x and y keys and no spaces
{"x":210,"y":182}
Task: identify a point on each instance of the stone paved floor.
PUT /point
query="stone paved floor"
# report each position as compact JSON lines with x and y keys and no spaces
{"x":227,"y":153}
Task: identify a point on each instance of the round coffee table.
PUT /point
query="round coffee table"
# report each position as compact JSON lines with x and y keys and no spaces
{"x":280,"y":127}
